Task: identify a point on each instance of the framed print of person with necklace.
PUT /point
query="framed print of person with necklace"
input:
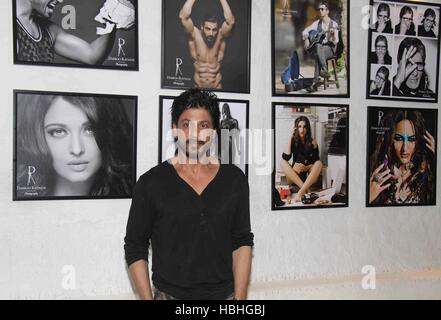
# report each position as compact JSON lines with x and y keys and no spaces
{"x":401,"y":156}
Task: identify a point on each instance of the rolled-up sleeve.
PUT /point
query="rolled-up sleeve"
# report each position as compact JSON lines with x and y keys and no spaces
{"x":139,"y":224}
{"x":242,"y":235}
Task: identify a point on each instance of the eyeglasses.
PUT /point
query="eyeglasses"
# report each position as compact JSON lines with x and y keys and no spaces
{"x":385,"y":16}
{"x":381,"y":47}
{"x":429,"y":21}
{"x":407,"y":19}
{"x":420,"y":65}
{"x":379,"y":78}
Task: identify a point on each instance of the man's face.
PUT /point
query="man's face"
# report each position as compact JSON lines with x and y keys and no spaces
{"x":45,"y":7}
{"x":383,"y":17}
{"x":324,"y":11}
{"x":195,"y":132}
{"x":407,"y":19}
{"x":413,"y":81}
{"x":380,"y":78}
{"x":428,"y":23}
{"x":381,"y":48}
{"x":210,"y":31}
{"x":404,"y":141}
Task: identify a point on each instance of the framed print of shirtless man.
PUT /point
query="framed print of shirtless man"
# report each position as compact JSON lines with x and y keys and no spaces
{"x":206,"y":45}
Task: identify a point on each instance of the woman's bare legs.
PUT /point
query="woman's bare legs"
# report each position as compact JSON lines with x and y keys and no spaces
{"x":291,"y":173}
{"x":314,"y":174}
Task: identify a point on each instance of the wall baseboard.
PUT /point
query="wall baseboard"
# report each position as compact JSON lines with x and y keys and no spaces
{"x":389,"y":286}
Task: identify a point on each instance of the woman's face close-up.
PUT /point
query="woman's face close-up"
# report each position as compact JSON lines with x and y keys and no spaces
{"x":71,"y":142}
{"x":404,"y":141}
{"x":301,"y":128}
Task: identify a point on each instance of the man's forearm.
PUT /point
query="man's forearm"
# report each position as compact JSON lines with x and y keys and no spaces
{"x":140,"y":275}
{"x":228,"y":14}
{"x":241,"y":271}
{"x":186,"y":9}
{"x":77,"y":49}
{"x":101,"y":47}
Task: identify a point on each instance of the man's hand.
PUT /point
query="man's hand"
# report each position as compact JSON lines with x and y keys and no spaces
{"x":405,"y":69}
{"x":373,"y":86}
{"x":116,"y":13}
{"x":307,"y":43}
{"x":381,"y":25}
{"x":403,"y":27}
{"x":382,"y":88}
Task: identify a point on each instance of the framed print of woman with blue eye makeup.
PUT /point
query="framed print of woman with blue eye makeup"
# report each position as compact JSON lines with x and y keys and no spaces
{"x":401,"y":163}
{"x":74,"y":146}
{"x":404,"y":36}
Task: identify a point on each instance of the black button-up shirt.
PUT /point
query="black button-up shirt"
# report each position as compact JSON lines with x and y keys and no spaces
{"x":192,"y":236}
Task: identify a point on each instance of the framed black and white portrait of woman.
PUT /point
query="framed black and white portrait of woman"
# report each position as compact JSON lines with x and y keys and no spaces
{"x":74,"y":145}
{"x":403,"y":51}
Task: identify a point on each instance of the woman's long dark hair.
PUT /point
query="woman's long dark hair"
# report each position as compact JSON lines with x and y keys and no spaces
{"x":296,"y":141}
{"x":384,"y":151}
{"x":113,"y":133}
{"x":114,"y":137}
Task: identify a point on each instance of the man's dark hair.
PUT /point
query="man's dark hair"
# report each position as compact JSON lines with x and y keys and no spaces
{"x":210,"y":18}
{"x":196,"y":99}
{"x":405,"y":10}
{"x":384,"y":7}
{"x":430,"y":13}
{"x":323,"y":3}
{"x":381,"y":38}
{"x":384,"y":71}
{"x":407,"y":43}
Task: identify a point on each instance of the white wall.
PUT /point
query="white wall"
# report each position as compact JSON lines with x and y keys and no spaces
{"x":326,"y":247}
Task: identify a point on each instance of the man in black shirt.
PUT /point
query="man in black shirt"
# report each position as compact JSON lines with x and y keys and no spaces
{"x":195,"y":212}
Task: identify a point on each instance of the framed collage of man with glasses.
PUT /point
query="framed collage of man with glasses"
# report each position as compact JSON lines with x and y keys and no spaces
{"x":403,"y":51}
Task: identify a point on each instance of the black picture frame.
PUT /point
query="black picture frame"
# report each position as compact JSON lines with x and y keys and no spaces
{"x":41,"y":163}
{"x":177,"y":63}
{"x":241,"y":113}
{"x":376,"y":126}
{"x":340,"y":148}
{"x":290,"y":30}
{"x":122,"y":55}
{"x":426,"y":90}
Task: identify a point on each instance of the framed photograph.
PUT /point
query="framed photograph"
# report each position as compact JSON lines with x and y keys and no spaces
{"x":310,"y":48}
{"x":74,"y":145}
{"x":311,"y":156}
{"x":403,"y":51}
{"x":401,"y":157}
{"x":99,"y":34}
{"x":231,"y":143}
{"x":206,"y":44}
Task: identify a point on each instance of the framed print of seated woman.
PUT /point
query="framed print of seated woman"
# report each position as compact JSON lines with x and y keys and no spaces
{"x":310,"y":156}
